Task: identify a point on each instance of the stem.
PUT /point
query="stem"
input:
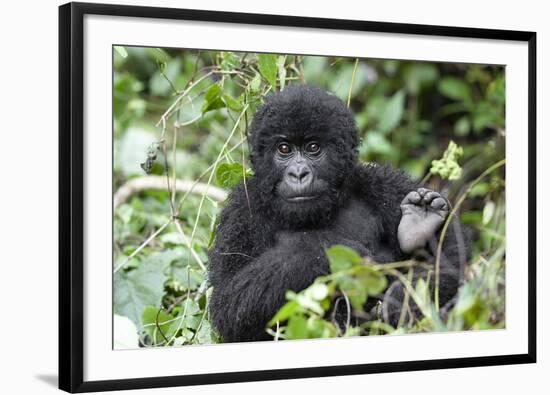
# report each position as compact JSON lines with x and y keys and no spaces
{"x":137,"y":250}
{"x":183,"y":94}
{"x":197,"y":181}
{"x":448,"y":221}
{"x":352,"y":80}
{"x":189,"y":244}
{"x":214,"y":165}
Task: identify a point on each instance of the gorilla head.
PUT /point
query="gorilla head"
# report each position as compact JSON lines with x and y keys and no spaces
{"x":304,"y":144}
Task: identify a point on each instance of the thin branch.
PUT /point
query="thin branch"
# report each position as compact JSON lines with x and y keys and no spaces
{"x":215,"y":164}
{"x":181,"y":96}
{"x":405,"y":305}
{"x":448,"y":221}
{"x":174,"y":144}
{"x":197,"y":183}
{"x":352,"y":80}
{"x":158,"y":326}
{"x":141,"y":247}
{"x":166,"y":170}
{"x":140,"y":184}
{"x":189,"y":245}
{"x":184,"y":314}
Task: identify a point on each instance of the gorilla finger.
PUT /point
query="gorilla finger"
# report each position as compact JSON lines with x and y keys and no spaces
{"x":431,"y":195}
{"x":423,"y":191}
{"x":412,"y":198}
{"x":439,"y":203}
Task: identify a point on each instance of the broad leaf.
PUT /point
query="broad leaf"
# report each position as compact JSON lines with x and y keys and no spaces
{"x":213,"y":99}
{"x":158,"y":324}
{"x":392,"y":112}
{"x":228,"y":175}
{"x":342,"y":258}
{"x":232,"y":103}
{"x":455,"y":89}
{"x":267,"y":63}
{"x":290,"y":308}
{"x":142,"y":286}
{"x":297,"y":327}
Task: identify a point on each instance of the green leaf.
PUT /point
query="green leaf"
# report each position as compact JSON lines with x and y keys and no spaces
{"x":232,"y":103}
{"x":158,"y":84}
{"x":267,"y":63}
{"x":355,"y":291}
{"x":339,"y":83}
{"x":418,"y":75}
{"x":377,"y":143}
{"x":160,"y":55}
{"x":486,"y":115}
{"x":308,"y":303}
{"x":213,"y":99}
{"x":314,"y":66}
{"x":462,"y":126}
{"x":480,"y":189}
{"x":213,"y":93}
{"x":372,"y":280}
{"x":342,"y":258}
{"x":392,"y":112}
{"x":255,"y":84}
{"x":290,"y":308}
{"x":297,"y":328}
{"x":204,"y":335}
{"x":358,"y":298}
{"x":456,"y":89}
{"x":142,"y":286}
{"x":318,"y":328}
{"x":230,"y":61}
{"x":151,"y":317}
{"x":228,"y":175}
{"x":121,"y":51}
{"x":469,"y":307}
{"x":188,"y":278}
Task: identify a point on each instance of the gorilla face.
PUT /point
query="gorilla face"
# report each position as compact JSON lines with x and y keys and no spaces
{"x":303,"y":146}
{"x":305,"y":181}
{"x":298,"y":163}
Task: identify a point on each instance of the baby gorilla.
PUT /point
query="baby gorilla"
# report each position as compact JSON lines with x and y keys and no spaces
{"x":310,"y":192}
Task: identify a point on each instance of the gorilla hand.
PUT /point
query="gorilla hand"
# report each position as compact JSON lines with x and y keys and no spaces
{"x":423,"y":213}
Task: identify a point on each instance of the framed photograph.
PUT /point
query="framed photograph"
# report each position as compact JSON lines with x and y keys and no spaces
{"x":253,"y":197}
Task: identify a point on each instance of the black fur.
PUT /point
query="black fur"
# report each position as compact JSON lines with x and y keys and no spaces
{"x":265,"y":246}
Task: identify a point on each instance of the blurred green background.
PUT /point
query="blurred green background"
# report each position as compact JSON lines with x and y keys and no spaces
{"x":185,"y":113}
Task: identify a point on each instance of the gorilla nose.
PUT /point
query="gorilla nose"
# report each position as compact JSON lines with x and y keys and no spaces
{"x":299,"y":174}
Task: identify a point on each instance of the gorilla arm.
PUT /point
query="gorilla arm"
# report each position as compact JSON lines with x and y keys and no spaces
{"x":387,"y":189}
{"x":244,"y":303}
{"x":248,"y":290}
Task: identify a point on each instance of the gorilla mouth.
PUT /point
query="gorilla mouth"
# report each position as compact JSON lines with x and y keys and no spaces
{"x":291,"y":193}
{"x":298,"y":199}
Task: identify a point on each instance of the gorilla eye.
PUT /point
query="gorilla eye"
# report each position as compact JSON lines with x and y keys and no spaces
{"x":284,"y":148}
{"x":313,"y":148}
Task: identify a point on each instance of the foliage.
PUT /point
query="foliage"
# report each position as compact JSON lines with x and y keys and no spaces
{"x":184,"y":114}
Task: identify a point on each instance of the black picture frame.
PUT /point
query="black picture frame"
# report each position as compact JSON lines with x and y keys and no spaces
{"x":71,"y":197}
